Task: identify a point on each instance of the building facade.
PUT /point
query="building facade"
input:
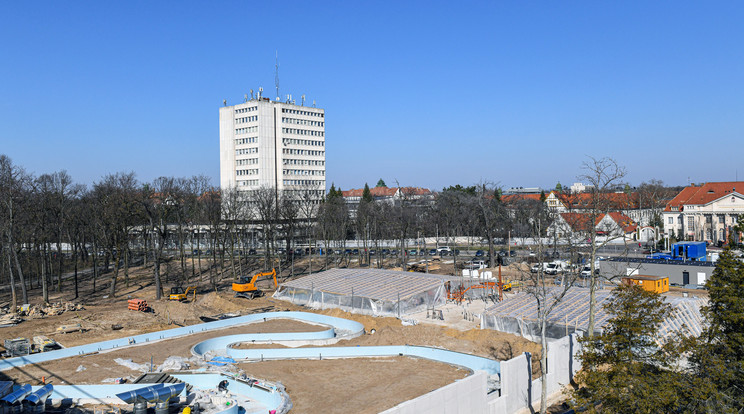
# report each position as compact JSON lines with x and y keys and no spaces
{"x":416,"y":195}
{"x":707,"y":212}
{"x":273,"y":144}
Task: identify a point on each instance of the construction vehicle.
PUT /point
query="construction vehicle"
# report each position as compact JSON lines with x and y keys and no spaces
{"x":246,"y":287}
{"x":179,"y":294}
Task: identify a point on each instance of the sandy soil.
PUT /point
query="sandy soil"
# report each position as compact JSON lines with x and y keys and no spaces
{"x":355,"y":385}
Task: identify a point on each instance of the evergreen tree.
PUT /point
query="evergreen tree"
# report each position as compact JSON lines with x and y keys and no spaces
{"x":624,"y":369}
{"x":718,"y":356}
{"x":559,"y":188}
{"x":366,"y":194}
{"x":381,"y":183}
{"x":542,"y":196}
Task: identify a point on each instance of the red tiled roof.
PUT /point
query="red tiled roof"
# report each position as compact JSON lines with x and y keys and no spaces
{"x":625,"y":222}
{"x":617,"y":201}
{"x":415,"y":191}
{"x":704,"y":194}
{"x":386,"y":192}
{"x":517,"y":197}
{"x":577,"y":221}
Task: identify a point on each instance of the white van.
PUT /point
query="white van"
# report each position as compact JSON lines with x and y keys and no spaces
{"x":556,"y":267}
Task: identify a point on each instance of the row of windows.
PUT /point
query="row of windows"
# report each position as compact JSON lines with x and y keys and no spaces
{"x":247,"y":182}
{"x":247,"y":161}
{"x":246,"y":130}
{"x":298,"y":112}
{"x":247,"y":172}
{"x":302,"y":152}
{"x":250,"y":140}
{"x":302,"y":122}
{"x":244,"y":110}
{"x":243,"y":151}
{"x":305,"y":194}
{"x":292,"y":141}
{"x":292,"y":161}
{"x":304,"y":182}
{"x":297,"y":131}
{"x":245,"y":119}
{"x":708,"y":220}
{"x":304,"y":172}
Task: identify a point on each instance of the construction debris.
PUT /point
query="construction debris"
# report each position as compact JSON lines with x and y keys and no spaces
{"x":10,"y":319}
{"x":70,"y":328}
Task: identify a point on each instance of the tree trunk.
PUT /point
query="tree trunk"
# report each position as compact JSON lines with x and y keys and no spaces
{"x":13,"y":294}
{"x":115,"y":273}
{"x":59,"y":263}
{"x":95,"y":265}
{"x":75,"y":259}
{"x":127,"y":255}
{"x":543,"y":366}
{"x":24,"y":292}
{"x":157,"y":251}
{"x":44,"y":279}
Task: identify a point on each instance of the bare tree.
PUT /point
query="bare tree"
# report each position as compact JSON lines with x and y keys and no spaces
{"x":117,"y":213}
{"x":160,"y":200}
{"x":14,"y":191}
{"x":603,"y":175}
{"x":265,"y":201}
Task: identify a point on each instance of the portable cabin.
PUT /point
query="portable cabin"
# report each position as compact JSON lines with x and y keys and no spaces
{"x":658,"y":284}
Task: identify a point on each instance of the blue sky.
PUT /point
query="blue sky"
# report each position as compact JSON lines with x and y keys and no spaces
{"x":426,"y":93}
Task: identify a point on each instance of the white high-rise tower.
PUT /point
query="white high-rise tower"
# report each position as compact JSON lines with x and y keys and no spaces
{"x":272,"y":144}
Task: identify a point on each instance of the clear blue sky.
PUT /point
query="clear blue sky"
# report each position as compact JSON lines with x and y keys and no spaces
{"x":428,"y":93}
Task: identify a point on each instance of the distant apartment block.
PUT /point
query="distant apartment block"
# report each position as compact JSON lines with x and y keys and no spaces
{"x":273,"y":144}
{"x":706,"y":212}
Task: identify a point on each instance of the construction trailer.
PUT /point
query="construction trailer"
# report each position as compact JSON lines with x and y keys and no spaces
{"x":657,"y":284}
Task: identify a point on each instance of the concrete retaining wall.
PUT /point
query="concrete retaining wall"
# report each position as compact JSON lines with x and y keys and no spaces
{"x":467,"y":395}
{"x":518,"y":389}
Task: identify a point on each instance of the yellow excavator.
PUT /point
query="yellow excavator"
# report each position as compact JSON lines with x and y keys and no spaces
{"x":179,"y":294}
{"x":246,"y":287}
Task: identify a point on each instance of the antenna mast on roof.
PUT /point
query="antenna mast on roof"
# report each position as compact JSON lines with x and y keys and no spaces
{"x":276,"y":74}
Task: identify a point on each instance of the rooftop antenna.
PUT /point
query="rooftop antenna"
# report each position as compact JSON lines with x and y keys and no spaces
{"x":303,"y":102}
{"x":251,"y":94}
{"x":260,"y":91}
{"x":224,"y":102}
{"x":313,"y":103}
{"x":245,"y":97}
{"x":276,"y":75}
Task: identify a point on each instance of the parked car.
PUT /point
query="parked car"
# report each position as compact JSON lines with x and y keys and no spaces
{"x":444,"y":250}
{"x":394,"y":252}
{"x":476,"y":264}
{"x":372,"y":252}
{"x":385,"y":252}
{"x":479,"y":253}
{"x":433,"y":252}
{"x":355,"y":252}
{"x":347,"y":251}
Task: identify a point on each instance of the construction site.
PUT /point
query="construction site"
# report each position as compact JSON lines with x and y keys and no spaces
{"x":351,"y":339}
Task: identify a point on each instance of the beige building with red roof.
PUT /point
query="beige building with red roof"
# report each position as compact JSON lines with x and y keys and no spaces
{"x":705,"y":212}
{"x":385,"y":194}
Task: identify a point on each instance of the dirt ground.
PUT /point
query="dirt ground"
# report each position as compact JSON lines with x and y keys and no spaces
{"x":314,"y":386}
{"x":369,"y":385}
